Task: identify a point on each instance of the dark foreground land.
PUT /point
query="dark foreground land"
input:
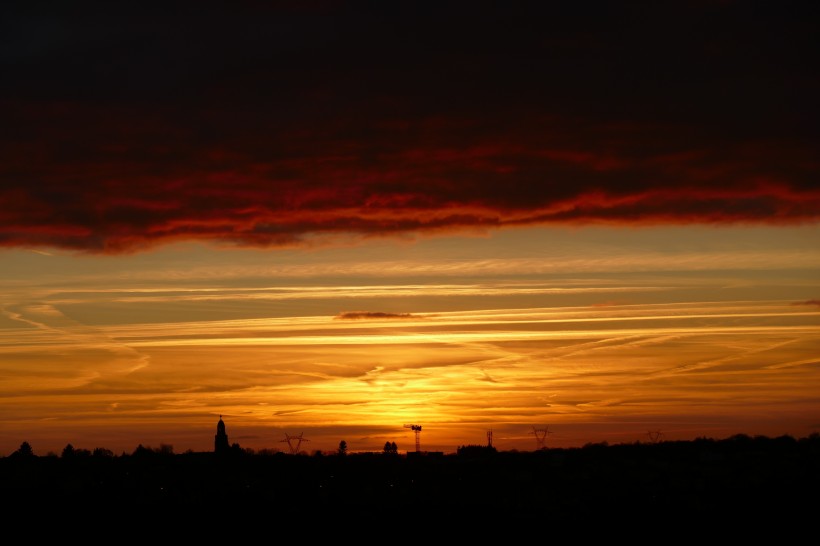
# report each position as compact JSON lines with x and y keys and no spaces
{"x":738,"y":488}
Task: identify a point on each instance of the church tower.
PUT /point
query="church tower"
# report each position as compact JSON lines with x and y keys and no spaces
{"x":221,"y":438}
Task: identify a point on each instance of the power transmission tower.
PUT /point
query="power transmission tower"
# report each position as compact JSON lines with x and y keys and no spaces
{"x":540,"y":437}
{"x":298,"y":442}
{"x":417,"y":430}
{"x":490,"y":438}
{"x":655,"y":436}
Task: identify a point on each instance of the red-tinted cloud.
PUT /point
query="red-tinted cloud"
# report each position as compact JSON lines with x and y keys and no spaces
{"x":274,"y":128}
{"x":360,"y":315}
{"x":807,"y":302}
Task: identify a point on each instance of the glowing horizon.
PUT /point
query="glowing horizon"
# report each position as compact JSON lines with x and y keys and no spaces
{"x":692,"y":352}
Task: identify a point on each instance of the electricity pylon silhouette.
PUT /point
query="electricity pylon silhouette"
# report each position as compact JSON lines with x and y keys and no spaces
{"x":290,"y":440}
{"x":540,"y":437}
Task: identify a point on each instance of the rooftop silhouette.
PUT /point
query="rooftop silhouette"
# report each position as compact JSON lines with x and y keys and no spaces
{"x":706,"y":483}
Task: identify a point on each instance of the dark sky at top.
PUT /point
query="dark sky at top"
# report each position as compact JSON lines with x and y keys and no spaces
{"x":128,"y":125}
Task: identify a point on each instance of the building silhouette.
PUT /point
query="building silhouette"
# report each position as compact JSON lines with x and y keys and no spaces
{"x":221,"y":438}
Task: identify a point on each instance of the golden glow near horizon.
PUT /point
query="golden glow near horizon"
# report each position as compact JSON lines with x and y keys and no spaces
{"x":600,"y":339}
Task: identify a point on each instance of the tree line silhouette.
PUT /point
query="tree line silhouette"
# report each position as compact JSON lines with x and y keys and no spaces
{"x":733,"y":482}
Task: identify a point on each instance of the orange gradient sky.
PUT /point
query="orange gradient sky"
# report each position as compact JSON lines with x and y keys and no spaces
{"x":337,"y":218}
{"x":688,"y":331}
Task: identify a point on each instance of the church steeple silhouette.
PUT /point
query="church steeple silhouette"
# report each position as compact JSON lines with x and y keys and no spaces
{"x":221,"y":438}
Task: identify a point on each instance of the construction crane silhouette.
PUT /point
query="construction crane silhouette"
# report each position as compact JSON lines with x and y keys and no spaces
{"x":541,"y":436}
{"x":294,"y":448}
{"x":417,"y":430}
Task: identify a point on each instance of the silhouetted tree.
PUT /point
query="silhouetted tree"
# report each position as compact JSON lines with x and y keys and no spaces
{"x":476,"y":450}
{"x":390,"y":448}
{"x":102,"y":452}
{"x":25,"y":450}
{"x":142,"y":451}
{"x":68,"y":451}
{"x":342,"y":448}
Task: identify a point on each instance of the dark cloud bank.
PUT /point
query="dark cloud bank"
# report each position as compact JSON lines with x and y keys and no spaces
{"x":271,"y":124}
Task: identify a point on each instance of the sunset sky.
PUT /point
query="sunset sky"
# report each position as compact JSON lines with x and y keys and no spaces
{"x":589,"y":222}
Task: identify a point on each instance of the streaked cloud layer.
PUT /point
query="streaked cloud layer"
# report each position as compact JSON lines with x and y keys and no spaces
{"x":116,"y":351}
{"x":689,"y":369}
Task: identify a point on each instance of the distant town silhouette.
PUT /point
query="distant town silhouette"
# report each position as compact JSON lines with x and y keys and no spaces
{"x":726,"y":483}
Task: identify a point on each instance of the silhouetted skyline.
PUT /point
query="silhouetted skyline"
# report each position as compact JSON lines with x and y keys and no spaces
{"x":715,"y":487}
